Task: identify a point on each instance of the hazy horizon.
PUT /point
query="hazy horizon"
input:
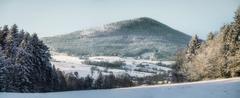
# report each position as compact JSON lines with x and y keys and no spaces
{"x":49,"y":18}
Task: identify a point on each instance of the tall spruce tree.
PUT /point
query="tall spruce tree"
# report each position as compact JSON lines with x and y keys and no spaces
{"x":210,"y":36}
{"x":20,"y":37}
{"x":10,"y":47}
{"x":3,"y":34}
{"x":193,"y":45}
{"x":41,"y":63}
{"x":88,"y":81}
{"x":98,"y":83}
{"x":3,"y":71}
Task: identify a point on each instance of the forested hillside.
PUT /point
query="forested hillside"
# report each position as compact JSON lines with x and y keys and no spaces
{"x":141,"y":37}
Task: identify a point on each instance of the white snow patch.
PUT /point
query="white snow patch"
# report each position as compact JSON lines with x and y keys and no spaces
{"x":224,"y":88}
{"x":70,"y":64}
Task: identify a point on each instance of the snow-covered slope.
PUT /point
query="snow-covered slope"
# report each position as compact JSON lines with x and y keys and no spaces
{"x":223,"y":88}
{"x":72,"y":64}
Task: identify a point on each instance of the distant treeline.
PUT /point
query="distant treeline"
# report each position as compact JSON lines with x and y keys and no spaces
{"x":72,"y":81}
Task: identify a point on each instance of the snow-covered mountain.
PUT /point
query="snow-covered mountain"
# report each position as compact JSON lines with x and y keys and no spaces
{"x":223,"y":88}
{"x":140,"y":37}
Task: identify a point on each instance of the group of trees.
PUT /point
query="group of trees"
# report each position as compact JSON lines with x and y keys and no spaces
{"x":217,"y":57}
{"x":115,"y":64}
{"x":25,"y":67}
{"x":24,"y":62}
{"x":161,"y":78}
{"x":74,"y":82}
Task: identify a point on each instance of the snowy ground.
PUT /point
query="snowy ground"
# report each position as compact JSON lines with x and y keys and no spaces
{"x":223,"y":88}
{"x":74,"y":64}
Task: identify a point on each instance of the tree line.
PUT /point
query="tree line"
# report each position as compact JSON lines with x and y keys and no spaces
{"x":72,"y":81}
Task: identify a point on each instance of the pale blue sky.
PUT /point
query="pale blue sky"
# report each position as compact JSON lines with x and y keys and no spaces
{"x":54,"y":17}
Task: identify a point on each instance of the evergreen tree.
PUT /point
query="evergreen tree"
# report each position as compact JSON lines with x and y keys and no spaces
{"x":234,"y":55}
{"x":88,"y":81}
{"x":124,"y":80}
{"x":193,"y":45}
{"x":41,"y":63}
{"x":72,"y":83}
{"x":98,"y":84}
{"x":210,"y":36}
{"x":20,"y":37}
{"x":23,"y":70}
{"x":61,"y":82}
{"x":237,"y":19}
{"x":109,"y":81}
{"x":179,"y":68}
{"x":10,"y":47}
{"x":3,"y":75}
{"x":3,"y":35}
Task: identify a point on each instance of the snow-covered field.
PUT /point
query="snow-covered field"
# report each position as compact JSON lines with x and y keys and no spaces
{"x":223,"y":88}
{"x":74,"y":64}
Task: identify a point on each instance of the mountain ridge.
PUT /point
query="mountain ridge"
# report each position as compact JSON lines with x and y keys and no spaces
{"x":133,"y":37}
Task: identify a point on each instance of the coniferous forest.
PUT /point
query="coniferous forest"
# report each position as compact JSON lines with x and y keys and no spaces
{"x":25,"y":67}
{"x":25,"y":64}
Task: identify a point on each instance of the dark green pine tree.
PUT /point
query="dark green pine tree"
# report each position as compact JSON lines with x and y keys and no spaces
{"x":98,"y":84}
{"x":41,"y":63}
{"x":88,"y":82}
{"x":3,"y":71}
{"x":20,"y":37}
{"x":62,"y":84}
{"x":10,"y":47}
{"x":23,"y":60}
{"x":3,"y":35}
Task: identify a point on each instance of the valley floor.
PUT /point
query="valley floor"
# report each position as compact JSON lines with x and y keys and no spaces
{"x":222,"y":88}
